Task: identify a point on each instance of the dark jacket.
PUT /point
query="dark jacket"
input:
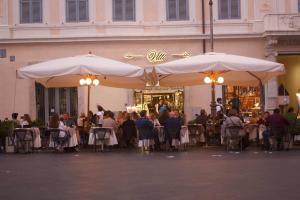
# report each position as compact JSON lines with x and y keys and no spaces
{"x":129,"y":129}
{"x":145,"y":128}
{"x":172,"y":127}
{"x":277,"y":124}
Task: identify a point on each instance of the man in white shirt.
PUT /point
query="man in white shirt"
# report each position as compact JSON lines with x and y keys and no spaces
{"x":100,"y":115}
{"x":219,"y":105}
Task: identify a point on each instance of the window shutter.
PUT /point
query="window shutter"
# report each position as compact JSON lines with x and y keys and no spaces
{"x":171,"y":9}
{"x":24,"y":11}
{"x":71,"y":11}
{"x":223,"y":9}
{"x":36,"y":10}
{"x":298,"y":5}
{"x":129,"y":10}
{"x":83,"y":10}
{"x":183,"y":10}
{"x":235,"y":9}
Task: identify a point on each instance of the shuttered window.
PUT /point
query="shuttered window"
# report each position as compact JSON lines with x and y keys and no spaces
{"x":298,"y":5}
{"x":123,"y":10}
{"x":229,"y":9}
{"x":77,"y":10}
{"x":31,"y":11}
{"x":177,"y":10}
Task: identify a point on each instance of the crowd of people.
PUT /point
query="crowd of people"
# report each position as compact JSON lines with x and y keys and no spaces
{"x":271,"y":129}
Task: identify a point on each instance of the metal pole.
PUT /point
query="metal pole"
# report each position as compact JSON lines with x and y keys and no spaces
{"x":211,"y":26}
{"x":213,"y":100}
{"x":88,"y":101}
{"x":213,"y":86}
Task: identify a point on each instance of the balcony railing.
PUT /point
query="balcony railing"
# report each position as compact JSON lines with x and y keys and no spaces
{"x":282,"y":22}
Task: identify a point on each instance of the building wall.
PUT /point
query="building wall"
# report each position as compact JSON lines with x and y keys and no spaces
{"x":291,"y":79}
{"x":262,"y":24}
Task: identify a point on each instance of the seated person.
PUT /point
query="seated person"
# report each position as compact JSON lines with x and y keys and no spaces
{"x":26,"y":121}
{"x":129,"y":131}
{"x":68,"y":121}
{"x":57,"y":123}
{"x":234,"y":121}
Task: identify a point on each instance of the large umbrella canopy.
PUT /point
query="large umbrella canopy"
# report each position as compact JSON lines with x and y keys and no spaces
{"x":236,"y":70}
{"x":66,"y":72}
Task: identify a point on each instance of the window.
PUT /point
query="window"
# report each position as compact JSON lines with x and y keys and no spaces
{"x":298,"y":5}
{"x":177,"y":10}
{"x":31,"y":11}
{"x":123,"y":10}
{"x":77,"y":10}
{"x":229,"y":9}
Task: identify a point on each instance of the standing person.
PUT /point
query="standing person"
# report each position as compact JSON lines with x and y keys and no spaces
{"x":219,"y":105}
{"x":235,"y":103}
{"x":163,"y":117}
{"x":278,"y":126}
{"x":291,"y":117}
{"x":129,"y":131}
{"x":172,"y":129}
{"x":100,"y":115}
{"x":264,"y":130}
{"x":145,"y":128}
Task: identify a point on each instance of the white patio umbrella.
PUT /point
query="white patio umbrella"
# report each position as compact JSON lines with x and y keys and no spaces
{"x":67,"y":72}
{"x":235,"y":70}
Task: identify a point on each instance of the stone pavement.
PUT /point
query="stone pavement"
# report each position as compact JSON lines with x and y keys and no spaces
{"x":195,"y":174}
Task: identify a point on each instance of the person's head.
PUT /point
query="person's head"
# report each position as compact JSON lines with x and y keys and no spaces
{"x":290,"y":110}
{"x":266,"y":114}
{"x":202,"y":112}
{"x":176,"y":113}
{"x":27,"y":118}
{"x":219,"y":100}
{"x":143,"y":113}
{"x":82,"y":115}
{"x":232,"y":112}
{"x":100,"y":108}
{"x":66,"y":116}
{"x":106,"y":114}
{"x":127,"y":116}
{"x":14,"y":116}
{"x":276,"y":111}
{"x":111,"y":114}
{"x":172,"y":114}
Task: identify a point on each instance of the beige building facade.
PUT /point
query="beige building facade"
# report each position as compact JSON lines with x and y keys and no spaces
{"x":32,"y":31}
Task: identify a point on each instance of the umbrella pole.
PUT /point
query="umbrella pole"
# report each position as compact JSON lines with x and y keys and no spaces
{"x":213,"y":100}
{"x":88,"y":101}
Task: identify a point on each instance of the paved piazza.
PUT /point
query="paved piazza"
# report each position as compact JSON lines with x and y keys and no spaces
{"x":196,"y":174}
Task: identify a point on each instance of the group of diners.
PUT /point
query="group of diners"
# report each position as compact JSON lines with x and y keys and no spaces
{"x":274,"y":131}
{"x":270,"y":131}
{"x":132,"y":129}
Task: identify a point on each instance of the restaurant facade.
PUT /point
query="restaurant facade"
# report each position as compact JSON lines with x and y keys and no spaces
{"x":142,"y":33}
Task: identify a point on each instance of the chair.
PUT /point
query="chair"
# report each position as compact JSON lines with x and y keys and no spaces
{"x":101,"y":134}
{"x":193,"y":134}
{"x":233,"y":137}
{"x":24,"y":138}
{"x":57,"y":140}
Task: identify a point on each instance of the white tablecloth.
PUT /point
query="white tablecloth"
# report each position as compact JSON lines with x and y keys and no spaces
{"x":111,"y":140}
{"x":72,"y":140}
{"x":36,"y":136}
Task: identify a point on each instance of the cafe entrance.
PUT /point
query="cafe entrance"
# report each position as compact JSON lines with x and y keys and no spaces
{"x":152,"y":99}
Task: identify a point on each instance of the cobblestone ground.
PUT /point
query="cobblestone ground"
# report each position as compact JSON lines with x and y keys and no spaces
{"x":195,"y":174}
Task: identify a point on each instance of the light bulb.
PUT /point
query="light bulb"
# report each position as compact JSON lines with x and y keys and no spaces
{"x":207,"y":80}
{"x":96,"y":82}
{"x":88,"y":81}
{"x":82,"y":81}
{"x":220,"y":80}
